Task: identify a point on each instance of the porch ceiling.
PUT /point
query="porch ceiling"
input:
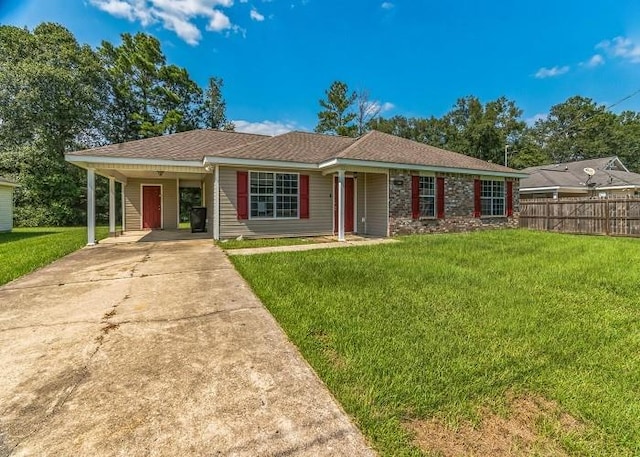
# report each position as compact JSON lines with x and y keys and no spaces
{"x":120,"y":175}
{"x":124,"y":171}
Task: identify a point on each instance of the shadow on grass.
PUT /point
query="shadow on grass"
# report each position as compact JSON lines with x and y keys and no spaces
{"x":17,"y":236}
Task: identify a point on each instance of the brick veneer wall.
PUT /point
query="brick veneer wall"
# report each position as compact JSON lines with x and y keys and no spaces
{"x":458,"y":203}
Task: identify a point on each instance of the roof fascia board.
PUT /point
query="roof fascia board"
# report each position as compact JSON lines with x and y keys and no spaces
{"x":356,"y":169}
{"x":9,"y":184}
{"x":406,"y":166}
{"x":627,"y":186}
{"x":132,"y":161}
{"x":259,"y":163}
{"x":553,"y":188}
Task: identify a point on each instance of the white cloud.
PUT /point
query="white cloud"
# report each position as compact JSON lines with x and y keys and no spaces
{"x":387,"y":106}
{"x":375,"y":107}
{"x":531,"y":121}
{"x":256,"y":16}
{"x":387,"y":5}
{"x":551,"y":72}
{"x":595,"y":61}
{"x":265,"y":127}
{"x":621,"y":47}
{"x":218,"y":22}
{"x":175,"y":15}
{"x":117,"y":8}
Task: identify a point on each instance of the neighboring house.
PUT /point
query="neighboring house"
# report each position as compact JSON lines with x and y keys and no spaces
{"x":302,"y":184}
{"x":6,"y":204}
{"x":585,"y":178}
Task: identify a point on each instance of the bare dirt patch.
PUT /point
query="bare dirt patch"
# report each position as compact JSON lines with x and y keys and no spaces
{"x":518,"y":433}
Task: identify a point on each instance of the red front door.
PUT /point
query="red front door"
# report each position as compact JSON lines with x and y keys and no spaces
{"x":348,"y":204}
{"x":151,"y":207}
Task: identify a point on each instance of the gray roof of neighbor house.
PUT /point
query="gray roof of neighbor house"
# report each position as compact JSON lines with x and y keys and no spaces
{"x":191,"y":145}
{"x":609,"y":172}
{"x":300,"y":147}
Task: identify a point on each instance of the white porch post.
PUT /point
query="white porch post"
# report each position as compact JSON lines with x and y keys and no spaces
{"x":91,"y":207}
{"x":341,"y":203}
{"x":112,"y":206}
{"x":123,"y":206}
{"x":215,"y":217}
{"x":178,"y":203}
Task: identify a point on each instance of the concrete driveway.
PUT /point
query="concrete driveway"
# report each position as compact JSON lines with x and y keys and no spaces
{"x":155,"y":349}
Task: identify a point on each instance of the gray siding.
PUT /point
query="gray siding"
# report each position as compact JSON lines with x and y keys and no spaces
{"x":133,"y":208}
{"x":320,"y":220}
{"x":208,"y":201}
{"x":6,"y":208}
{"x":377,"y":221}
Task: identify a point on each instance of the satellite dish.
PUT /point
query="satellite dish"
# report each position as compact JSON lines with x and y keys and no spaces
{"x":590,"y":171}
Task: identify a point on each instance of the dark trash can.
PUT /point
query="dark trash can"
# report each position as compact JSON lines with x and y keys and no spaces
{"x":198,"y":219}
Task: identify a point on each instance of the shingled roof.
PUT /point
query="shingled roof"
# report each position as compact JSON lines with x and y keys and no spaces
{"x":609,"y":172}
{"x":191,"y":145}
{"x":300,"y":147}
{"x":382,"y":147}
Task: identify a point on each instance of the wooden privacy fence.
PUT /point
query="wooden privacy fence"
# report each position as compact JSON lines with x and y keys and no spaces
{"x":601,"y":216}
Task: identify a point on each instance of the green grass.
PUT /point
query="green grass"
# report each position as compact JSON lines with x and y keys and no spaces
{"x":441,"y":325}
{"x":267,"y":242}
{"x":26,"y":249}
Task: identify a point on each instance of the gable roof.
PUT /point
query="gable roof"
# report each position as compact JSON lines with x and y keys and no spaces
{"x":190,"y":145}
{"x":382,"y":147}
{"x":301,"y":147}
{"x":294,"y":147}
{"x":609,"y":172}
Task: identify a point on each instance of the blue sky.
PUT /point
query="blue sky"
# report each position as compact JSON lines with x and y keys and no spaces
{"x":414,"y":57}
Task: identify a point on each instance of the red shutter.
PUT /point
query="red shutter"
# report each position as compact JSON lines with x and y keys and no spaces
{"x":304,"y":196}
{"x":477,"y":202}
{"x":242,"y":181}
{"x":440,"y":197}
{"x":509,"y":198}
{"x":415,"y":197}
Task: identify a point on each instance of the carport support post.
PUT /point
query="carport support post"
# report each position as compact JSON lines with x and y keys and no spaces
{"x":91,"y":207}
{"x":112,"y":206}
{"x":123,"y":206}
{"x":215,"y":217}
{"x":341,"y":205}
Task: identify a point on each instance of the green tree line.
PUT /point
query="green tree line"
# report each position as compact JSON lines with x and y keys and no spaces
{"x":576,"y":129}
{"x":57,"y":95}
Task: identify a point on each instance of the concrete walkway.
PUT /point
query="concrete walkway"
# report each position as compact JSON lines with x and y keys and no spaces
{"x":156,"y":349}
{"x":310,"y":247}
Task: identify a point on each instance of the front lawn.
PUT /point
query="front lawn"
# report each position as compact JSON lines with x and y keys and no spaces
{"x":25,"y":249}
{"x":445,"y":329}
{"x":269,"y":242}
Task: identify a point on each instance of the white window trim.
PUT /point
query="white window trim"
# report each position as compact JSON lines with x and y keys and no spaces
{"x":504,"y":197}
{"x":275,"y":211}
{"x":435,"y":196}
